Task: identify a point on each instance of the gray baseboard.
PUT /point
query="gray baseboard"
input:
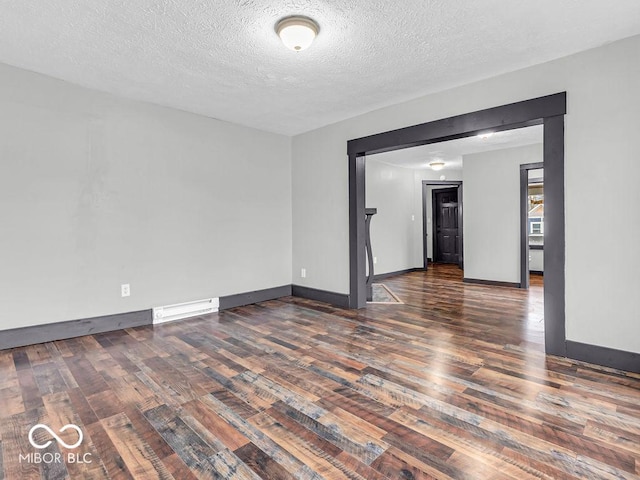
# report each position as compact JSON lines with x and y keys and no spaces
{"x":241,"y":299}
{"x":333,"y":298}
{"x":491,"y":283}
{"x":607,"y":357}
{"x":382,"y":276}
{"x":19,"y":337}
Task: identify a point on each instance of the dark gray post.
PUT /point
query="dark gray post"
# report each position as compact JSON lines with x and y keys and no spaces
{"x":369,"y":212}
{"x":524,"y":227}
{"x":357,"y":267}
{"x":554,"y":237}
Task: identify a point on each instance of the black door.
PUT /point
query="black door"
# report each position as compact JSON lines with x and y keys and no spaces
{"x":446,"y":230}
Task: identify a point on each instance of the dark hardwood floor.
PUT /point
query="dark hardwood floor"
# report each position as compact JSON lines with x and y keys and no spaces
{"x":451,"y":384}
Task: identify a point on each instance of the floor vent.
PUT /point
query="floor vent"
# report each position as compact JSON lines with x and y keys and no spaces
{"x":185,"y":310}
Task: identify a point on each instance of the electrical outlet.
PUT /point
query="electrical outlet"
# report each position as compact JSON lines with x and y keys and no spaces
{"x":375,"y":260}
{"x":303,"y":273}
{"x":125,"y":290}
{"x":413,"y":218}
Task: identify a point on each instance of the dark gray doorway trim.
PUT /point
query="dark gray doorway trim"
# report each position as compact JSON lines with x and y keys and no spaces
{"x":425,"y":184}
{"x":548,"y":111}
{"x":524,"y":221}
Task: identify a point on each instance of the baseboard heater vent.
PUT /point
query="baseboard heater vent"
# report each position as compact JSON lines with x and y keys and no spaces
{"x":185,"y":310}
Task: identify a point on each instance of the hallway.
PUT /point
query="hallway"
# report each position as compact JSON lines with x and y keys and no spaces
{"x":506,"y":315}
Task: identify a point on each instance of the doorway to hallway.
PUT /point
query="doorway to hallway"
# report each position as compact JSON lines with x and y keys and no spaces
{"x":445,"y":226}
{"x":442,"y":232}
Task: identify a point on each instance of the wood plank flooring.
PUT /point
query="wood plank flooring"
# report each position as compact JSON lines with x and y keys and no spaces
{"x":451,"y":384}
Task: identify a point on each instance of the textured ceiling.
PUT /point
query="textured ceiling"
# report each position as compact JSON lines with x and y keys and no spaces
{"x":223,"y":59}
{"x":451,"y":152}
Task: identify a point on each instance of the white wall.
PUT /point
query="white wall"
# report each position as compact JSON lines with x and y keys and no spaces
{"x":396,"y":230}
{"x":491,"y":215}
{"x":390,"y":189}
{"x":96,"y":191}
{"x":601,"y":122}
{"x":420,"y":175}
{"x":536,"y":260}
{"x":536,"y":173}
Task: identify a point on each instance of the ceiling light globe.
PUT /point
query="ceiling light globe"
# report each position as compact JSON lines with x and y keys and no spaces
{"x":437,"y":165}
{"x":297,"y":33}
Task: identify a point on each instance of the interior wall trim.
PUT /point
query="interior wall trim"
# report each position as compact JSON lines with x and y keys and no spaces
{"x":32,"y":335}
{"x":337,"y":299}
{"x":19,"y":337}
{"x":492,"y":283}
{"x":608,"y":357}
{"x":247,"y":298}
{"x":382,"y":276}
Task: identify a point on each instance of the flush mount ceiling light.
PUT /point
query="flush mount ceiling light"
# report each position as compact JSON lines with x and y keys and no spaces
{"x":437,"y":165}
{"x":297,"y":33}
{"x":485,"y":135}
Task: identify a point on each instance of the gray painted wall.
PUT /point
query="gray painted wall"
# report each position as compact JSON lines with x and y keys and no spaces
{"x":492,"y":212}
{"x":492,"y":241}
{"x":396,"y":230}
{"x":390,"y":189}
{"x":536,"y":260}
{"x":97,"y":191}
{"x":602,"y":122}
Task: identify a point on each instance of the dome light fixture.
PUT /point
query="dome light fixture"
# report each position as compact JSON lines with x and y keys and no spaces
{"x":485,"y":135}
{"x":297,"y":32}
{"x":437,"y":165}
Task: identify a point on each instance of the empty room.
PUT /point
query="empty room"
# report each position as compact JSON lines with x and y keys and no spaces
{"x":319,"y":240}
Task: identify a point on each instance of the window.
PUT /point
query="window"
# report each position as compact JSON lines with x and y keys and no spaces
{"x":536,"y":213}
{"x":536,"y":227}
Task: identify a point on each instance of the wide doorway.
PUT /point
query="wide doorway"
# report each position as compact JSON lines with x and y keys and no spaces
{"x":546,"y":111}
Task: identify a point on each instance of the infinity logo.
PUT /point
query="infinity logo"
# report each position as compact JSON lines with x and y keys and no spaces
{"x":53,"y":434}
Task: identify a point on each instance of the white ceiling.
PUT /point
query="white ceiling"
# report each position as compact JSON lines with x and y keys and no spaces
{"x":451,"y":152}
{"x":223,"y":59}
